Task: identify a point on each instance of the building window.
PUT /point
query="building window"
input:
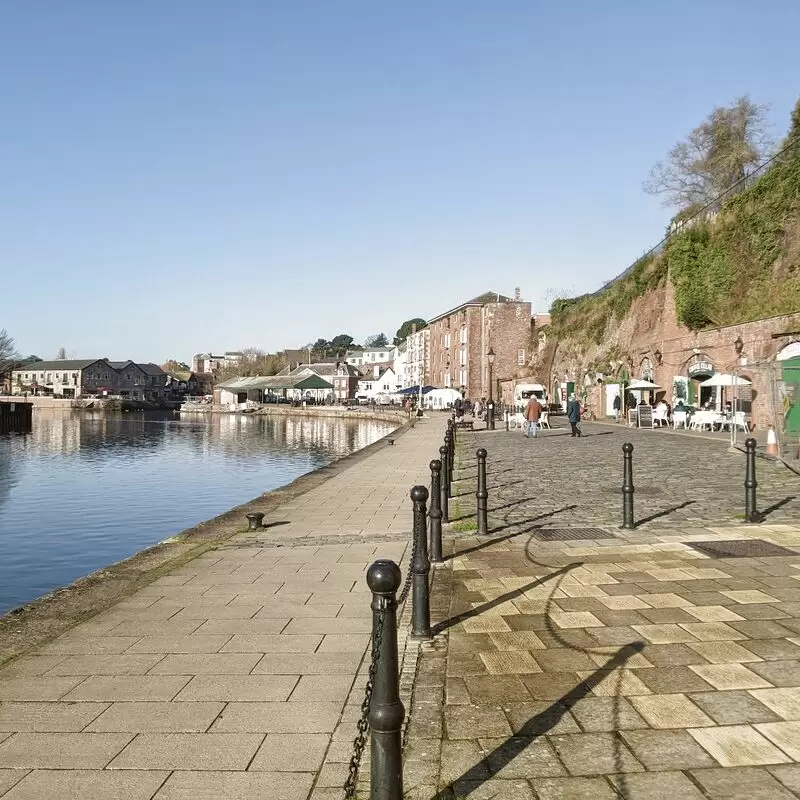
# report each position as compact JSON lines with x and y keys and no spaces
{"x":521,"y":357}
{"x":463,"y":336}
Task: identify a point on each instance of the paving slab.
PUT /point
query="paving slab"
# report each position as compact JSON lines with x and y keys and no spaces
{"x":236,"y":675}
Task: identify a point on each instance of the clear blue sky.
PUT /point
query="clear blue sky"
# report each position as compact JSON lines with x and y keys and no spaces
{"x":190,"y":175}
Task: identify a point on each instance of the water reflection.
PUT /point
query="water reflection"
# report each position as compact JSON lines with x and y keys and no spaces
{"x":84,"y":490}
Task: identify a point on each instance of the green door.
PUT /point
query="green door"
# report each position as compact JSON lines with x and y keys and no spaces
{"x":791,"y":377}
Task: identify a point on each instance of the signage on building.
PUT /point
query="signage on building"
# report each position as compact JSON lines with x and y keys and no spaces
{"x":701,"y":368}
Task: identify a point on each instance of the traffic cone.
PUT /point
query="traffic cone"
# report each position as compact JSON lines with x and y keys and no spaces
{"x":772,"y":442}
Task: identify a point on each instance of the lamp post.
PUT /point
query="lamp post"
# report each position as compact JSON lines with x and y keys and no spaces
{"x":490,"y":404}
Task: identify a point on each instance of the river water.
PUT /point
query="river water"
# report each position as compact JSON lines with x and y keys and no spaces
{"x":85,"y":490}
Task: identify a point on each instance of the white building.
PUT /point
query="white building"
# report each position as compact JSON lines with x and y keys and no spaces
{"x":418,"y":358}
{"x":370,"y":356}
{"x":400,"y":364}
{"x":386,"y":383}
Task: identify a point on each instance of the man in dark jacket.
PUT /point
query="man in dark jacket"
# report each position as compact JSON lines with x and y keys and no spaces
{"x":574,"y":415}
{"x":617,"y":406}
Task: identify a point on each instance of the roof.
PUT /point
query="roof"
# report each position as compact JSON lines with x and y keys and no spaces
{"x":118,"y":365}
{"x":275,"y":382}
{"x":151,"y":369}
{"x":480,"y":300}
{"x":60,"y":364}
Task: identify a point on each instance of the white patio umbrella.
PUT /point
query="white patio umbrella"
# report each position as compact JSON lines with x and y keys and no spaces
{"x":723,"y":379}
{"x":639,"y":385}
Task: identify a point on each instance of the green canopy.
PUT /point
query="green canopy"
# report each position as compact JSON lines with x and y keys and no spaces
{"x":313,"y":382}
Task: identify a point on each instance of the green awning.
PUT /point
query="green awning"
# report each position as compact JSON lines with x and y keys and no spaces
{"x":313,"y":382}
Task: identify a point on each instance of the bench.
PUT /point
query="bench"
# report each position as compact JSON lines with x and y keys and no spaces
{"x":464,"y":423}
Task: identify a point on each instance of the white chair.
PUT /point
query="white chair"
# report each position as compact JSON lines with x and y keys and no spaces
{"x":660,"y":417}
{"x":544,"y":420}
{"x":740,"y":421}
{"x":679,"y":419}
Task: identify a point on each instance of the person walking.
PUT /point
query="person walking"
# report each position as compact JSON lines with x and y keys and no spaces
{"x":574,"y":415}
{"x":617,"y":406}
{"x":533,"y":412}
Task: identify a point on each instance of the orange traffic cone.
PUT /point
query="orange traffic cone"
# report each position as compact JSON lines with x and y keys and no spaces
{"x":772,"y":442}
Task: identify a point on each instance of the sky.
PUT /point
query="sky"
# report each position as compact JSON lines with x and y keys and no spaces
{"x":186,"y":176}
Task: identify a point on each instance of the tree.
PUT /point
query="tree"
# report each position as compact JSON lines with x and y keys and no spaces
{"x":254,"y":361}
{"x":714,"y":156}
{"x":341,"y":344}
{"x":378,"y":340}
{"x":62,"y":354}
{"x":171,"y":365}
{"x":404,"y":331}
{"x":8,"y":351}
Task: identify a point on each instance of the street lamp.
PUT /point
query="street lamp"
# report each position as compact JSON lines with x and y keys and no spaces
{"x":490,"y":404}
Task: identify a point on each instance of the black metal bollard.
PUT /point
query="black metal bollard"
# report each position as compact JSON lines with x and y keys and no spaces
{"x":482,"y":493}
{"x":444,"y":495}
{"x":448,"y":478}
{"x":386,"y":712}
{"x":435,"y":512}
{"x":452,"y":460}
{"x":751,"y":512}
{"x":255,"y":520}
{"x":490,"y":416}
{"x":627,"y":486}
{"x":420,"y":567}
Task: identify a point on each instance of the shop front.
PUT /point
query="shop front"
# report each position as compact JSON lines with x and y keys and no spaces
{"x":699,"y":369}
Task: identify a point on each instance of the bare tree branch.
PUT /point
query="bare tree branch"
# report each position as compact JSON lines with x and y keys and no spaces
{"x":717,"y":153}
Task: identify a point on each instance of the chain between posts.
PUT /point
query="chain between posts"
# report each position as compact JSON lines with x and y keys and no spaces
{"x":360,"y":741}
{"x":407,"y":585}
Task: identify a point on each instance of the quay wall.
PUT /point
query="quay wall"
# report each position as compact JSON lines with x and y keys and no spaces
{"x":396,"y":415}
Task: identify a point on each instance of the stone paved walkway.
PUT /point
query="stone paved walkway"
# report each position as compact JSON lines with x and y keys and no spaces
{"x":611,"y":665}
{"x":679,"y":479}
{"x":238,"y":675}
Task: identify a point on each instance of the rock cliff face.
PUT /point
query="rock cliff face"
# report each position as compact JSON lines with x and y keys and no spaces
{"x":638,"y":327}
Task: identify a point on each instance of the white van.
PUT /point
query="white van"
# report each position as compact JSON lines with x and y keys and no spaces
{"x":524,"y":391}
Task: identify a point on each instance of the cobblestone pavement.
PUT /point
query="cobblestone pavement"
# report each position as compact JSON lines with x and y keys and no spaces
{"x":682,"y":480}
{"x":632,"y":666}
{"x":238,"y":675}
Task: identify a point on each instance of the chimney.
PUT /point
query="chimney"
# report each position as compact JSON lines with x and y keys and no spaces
{"x":517,"y":294}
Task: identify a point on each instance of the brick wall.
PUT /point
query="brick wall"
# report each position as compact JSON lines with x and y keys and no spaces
{"x":650,"y":333}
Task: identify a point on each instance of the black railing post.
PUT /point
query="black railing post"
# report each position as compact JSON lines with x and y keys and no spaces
{"x":255,"y":520}
{"x":444,"y":495}
{"x":386,"y":712}
{"x":448,"y":479}
{"x":420,"y":568}
{"x":482,"y":494}
{"x":751,"y":512}
{"x":627,"y":486}
{"x":435,"y":512}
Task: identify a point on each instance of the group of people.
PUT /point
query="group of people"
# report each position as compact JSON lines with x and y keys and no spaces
{"x":533,"y":413}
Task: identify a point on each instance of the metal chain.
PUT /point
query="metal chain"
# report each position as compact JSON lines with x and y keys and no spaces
{"x":362,"y":727}
{"x":407,"y":585}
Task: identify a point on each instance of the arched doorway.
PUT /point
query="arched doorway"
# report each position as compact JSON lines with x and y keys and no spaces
{"x":789,"y":357}
{"x":698,"y":369}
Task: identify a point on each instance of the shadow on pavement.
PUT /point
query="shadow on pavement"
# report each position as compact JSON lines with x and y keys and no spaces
{"x":496,"y":539}
{"x":503,"y":598}
{"x":779,"y":504}
{"x":666,"y":512}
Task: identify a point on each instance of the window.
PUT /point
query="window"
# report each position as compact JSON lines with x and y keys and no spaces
{"x":463,"y":336}
{"x":463,"y":377}
{"x":521,"y":357}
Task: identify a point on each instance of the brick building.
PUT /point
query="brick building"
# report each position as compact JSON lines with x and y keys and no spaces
{"x":460,"y":339}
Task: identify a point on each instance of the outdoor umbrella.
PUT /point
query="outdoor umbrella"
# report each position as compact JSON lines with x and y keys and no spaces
{"x":723,"y":379}
{"x":639,"y":385}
